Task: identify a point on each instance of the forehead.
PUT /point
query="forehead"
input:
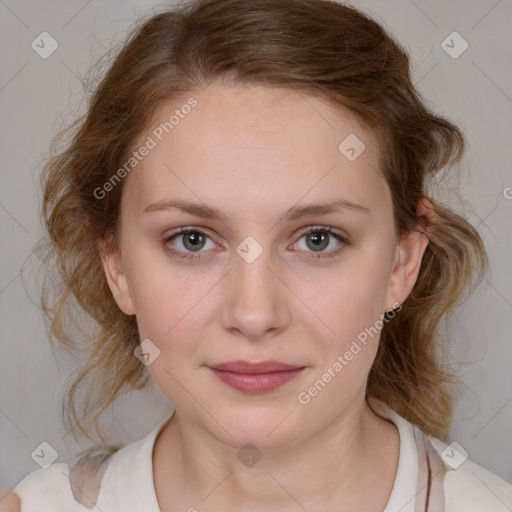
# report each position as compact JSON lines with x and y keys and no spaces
{"x":255,"y":145}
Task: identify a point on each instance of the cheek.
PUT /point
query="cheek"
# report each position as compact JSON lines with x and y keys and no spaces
{"x":348,"y":298}
{"x":351,"y":305}
{"x":172,"y":304}
{"x":157,"y":296}
{"x":162,"y":307}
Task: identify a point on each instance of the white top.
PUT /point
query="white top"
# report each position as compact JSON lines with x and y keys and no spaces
{"x":123,"y":481}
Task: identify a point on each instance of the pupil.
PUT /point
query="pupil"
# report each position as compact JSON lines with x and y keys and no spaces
{"x":315,"y":237}
{"x":194,"y":239}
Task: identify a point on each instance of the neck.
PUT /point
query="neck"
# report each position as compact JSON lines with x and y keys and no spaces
{"x":334,"y":468}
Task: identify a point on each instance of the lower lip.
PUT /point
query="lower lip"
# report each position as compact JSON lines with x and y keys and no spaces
{"x":256,"y":382}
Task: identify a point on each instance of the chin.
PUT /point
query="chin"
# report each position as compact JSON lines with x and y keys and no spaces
{"x":269,"y":430}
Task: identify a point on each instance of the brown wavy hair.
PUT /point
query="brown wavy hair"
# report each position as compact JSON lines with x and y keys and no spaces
{"x":317,"y":47}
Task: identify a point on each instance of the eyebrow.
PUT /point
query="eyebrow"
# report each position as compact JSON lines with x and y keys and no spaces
{"x":293,"y":213}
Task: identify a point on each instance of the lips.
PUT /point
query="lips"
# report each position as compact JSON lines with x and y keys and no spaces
{"x":255,"y":377}
{"x":254,"y":368}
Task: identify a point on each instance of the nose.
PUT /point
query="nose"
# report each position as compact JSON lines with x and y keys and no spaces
{"x":257,"y":302}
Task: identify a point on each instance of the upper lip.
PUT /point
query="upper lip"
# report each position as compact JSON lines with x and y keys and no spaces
{"x":250,"y":367}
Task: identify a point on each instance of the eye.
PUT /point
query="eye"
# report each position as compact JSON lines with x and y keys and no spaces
{"x":192,"y":240}
{"x":189,"y":239}
{"x":319,"y":238}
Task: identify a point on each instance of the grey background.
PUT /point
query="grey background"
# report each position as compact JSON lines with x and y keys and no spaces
{"x":38,"y":95}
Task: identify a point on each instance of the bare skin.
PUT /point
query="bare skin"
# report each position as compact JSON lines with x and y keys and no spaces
{"x":253,"y":153}
{"x":373,"y":454}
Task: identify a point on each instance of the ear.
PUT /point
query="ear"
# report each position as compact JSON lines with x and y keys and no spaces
{"x":408,"y":257}
{"x":116,"y":276}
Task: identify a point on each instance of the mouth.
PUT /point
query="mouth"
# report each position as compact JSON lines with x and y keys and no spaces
{"x":255,"y":377}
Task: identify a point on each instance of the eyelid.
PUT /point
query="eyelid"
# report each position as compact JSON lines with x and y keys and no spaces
{"x":319,"y":227}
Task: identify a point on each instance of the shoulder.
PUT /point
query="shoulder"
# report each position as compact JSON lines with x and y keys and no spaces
{"x":60,"y":487}
{"x":446,"y":472}
{"x":10,"y":502}
{"x":105,"y":478}
{"x":470,"y":487}
{"x":42,"y":490}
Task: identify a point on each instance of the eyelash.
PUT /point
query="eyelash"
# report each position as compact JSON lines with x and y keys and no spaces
{"x":316,"y":229}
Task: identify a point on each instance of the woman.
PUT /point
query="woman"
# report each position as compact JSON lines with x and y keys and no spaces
{"x":243,"y":212}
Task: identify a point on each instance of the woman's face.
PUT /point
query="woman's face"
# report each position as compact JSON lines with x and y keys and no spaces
{"x":249,"y":171}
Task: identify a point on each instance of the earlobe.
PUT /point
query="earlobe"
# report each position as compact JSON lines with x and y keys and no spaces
{"x":116,"y":277}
